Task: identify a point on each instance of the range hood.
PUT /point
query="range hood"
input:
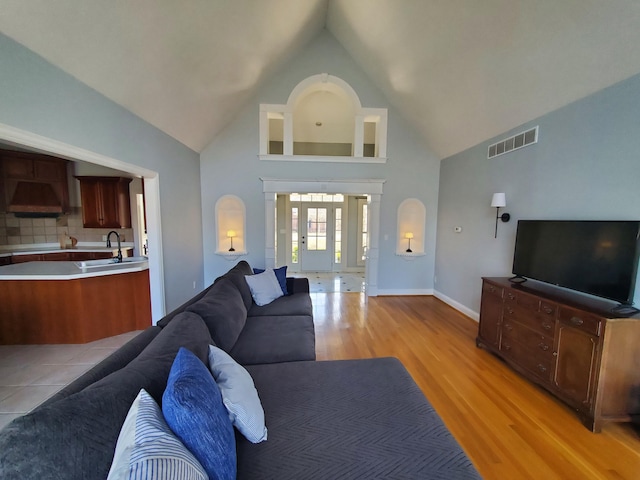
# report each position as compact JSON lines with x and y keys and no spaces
{"x":35,"y":199}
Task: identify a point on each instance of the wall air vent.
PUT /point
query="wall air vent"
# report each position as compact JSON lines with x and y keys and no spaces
{"x":516,"y":142}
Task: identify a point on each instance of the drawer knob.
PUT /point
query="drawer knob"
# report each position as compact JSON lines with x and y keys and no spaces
{"x":546,"y":326}
{"x":543,"y":346}
{"x":511,"y":296}
{"x":576,"y":321}
{"x":506,"y":346}
{"x":508,"y":327}
{"x":509,"y":311}
{"x":542,"y":368}
{"x":547,"y":310}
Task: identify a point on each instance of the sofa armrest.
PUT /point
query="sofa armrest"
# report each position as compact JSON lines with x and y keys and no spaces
{"x":297,"y":285}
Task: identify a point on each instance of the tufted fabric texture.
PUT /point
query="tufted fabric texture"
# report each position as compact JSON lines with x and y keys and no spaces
{"x":357,"y":419}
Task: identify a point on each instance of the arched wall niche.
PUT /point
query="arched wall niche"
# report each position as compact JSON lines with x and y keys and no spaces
{"x":230,"y":226}
{"x":411,"y":228}
{"x":323,"y":120}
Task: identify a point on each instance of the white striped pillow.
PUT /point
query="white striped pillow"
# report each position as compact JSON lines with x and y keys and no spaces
{"x":148,"y":449}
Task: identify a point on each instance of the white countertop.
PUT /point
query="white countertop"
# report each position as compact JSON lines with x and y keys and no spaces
{"x":65,"y":270}
{"x":9,"y":250}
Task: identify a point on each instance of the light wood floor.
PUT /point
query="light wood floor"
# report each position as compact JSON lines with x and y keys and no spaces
{"x":510,"y":428}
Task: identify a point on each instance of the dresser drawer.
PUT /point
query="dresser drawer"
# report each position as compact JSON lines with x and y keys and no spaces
{"x":523,"y":300}
{"x":584,"y":321}
{"x":492,"y":289}
{"x":512,"y":331}
{"x":538,"y":363}
{"x":542,"y":323}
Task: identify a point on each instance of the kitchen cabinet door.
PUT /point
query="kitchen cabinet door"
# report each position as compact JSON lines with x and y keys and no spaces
{"x":105,"y":202}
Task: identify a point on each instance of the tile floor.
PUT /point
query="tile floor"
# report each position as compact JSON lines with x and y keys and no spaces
{"x":328,"y":282}
{"x":29,"y":374}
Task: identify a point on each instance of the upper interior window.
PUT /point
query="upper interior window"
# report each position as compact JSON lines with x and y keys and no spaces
{"x":322,"y":118}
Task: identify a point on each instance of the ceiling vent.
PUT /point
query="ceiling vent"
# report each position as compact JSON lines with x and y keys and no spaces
{"x":516,"y":142}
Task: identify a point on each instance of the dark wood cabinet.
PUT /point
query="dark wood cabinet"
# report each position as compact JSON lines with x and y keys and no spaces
{"x":567,"y":344}
{"x":5,"y":260}
{"x":27,"y":258}
{"x":65,"y":256}
{"x":38,"y":174}
{"x":576,"y":365}
{"x":105,"y":202}
{"x":491,"y":312}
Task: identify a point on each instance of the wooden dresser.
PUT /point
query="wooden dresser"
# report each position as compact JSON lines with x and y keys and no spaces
{"x":567,"y":344}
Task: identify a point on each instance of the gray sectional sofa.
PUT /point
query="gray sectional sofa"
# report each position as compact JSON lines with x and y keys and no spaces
{"x":363,"y":419}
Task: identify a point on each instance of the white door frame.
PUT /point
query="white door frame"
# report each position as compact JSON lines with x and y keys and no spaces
{"x":372,"y":187}
{"x":24,"y":138}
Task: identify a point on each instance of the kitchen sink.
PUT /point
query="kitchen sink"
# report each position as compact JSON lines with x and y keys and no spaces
{"x":106,"y":262}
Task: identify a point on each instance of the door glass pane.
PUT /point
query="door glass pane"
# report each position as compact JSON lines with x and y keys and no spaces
{"x":294,"y":235}
{"x":337,"y":257}
{"x":365,"y":231}
{"x":316,"y":228}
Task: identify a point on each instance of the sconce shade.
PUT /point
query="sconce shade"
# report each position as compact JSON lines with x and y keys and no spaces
{"x":499,"y":200}
{"x":408,"y":235}
{"x":231,"y":234}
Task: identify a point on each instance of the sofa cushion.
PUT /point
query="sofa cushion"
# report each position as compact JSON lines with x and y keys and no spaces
{"x":264,"y":287}
{"x":239,"y":395}
{"x":348,"y":419}
{"x":296,"y":304}
{"x":192,"y":405}
{"x":147,"y":448}
{"x":281,"y":275}
{"x":75,"y":437}
{"x":236,"y":275}
{"x":275,"y":339}
{"x":223,"y":311}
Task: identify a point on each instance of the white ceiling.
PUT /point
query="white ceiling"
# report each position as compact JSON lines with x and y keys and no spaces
{"x":461,"y":71}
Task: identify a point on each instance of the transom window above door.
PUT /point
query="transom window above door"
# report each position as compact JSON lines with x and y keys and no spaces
{"x":317,"y":197}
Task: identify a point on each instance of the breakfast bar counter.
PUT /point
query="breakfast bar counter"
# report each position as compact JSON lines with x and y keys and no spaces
{"x":72,"y":302}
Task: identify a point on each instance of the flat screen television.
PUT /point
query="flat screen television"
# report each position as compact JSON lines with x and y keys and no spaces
{"x":595,"y":257}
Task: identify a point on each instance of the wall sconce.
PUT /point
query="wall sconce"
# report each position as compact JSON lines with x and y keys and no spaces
{"x":231,"y":234}
{"x":409,"y":236}
{"x":498,"y":201}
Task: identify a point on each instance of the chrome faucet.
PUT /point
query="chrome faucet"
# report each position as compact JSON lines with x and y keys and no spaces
{"x":119,"y":257}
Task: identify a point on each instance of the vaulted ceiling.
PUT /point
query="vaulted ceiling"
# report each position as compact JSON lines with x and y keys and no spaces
{"x":460,"y":71}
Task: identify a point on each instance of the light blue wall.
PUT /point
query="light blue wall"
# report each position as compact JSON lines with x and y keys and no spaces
{"x":40,"y":98}
{"x":586,"y":165}
{"x":229,"y":165}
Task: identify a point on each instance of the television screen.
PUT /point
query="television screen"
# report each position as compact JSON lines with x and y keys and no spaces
{"x":595,"y":257}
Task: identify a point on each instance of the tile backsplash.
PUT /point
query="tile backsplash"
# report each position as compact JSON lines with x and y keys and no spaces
{"x":28,"y":231}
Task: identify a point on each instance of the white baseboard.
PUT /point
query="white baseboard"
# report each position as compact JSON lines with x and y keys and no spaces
{"x":390,"y":292}
{"x":457,"y":305}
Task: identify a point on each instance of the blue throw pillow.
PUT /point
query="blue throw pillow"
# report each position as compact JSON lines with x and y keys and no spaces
{"x":192,"y":406}
{"x":281,"y":275}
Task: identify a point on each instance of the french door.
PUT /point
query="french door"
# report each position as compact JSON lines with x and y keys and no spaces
{"x":316,"y":237}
